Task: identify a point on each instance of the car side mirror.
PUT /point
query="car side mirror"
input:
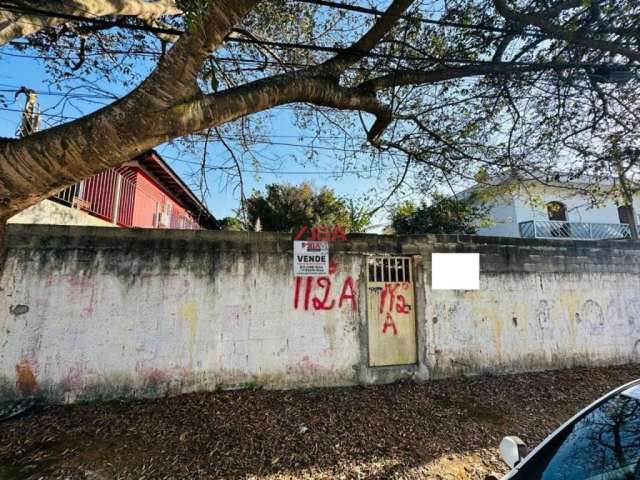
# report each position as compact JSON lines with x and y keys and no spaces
{"x":513,"y":450}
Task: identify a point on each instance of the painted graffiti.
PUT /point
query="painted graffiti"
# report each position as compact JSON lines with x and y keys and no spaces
{"x":397,"y":301}
{"x":393,"y":301}
{"x":321,"y":233}
{"x":318,"y":293}
{"x":388,"y":322}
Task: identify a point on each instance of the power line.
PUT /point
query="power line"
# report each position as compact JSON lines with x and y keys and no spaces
{"x":78,"y":96}
{"x":41,"y":113}
{"x":266,"y":43}
{"x":442,"y":23}
{"x":312,"y":147}
{"x":284,"y":45}
{"x":150,"y":53}
{"x":282,"y":172}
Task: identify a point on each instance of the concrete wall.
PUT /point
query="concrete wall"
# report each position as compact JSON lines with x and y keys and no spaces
{"x":47,"y":212}
{"x":97,"y":313}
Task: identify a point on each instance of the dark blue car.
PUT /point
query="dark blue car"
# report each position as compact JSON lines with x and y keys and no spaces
{"x":602,"y":442}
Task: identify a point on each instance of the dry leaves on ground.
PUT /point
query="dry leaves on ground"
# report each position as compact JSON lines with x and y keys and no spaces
{"x":446,"y":429}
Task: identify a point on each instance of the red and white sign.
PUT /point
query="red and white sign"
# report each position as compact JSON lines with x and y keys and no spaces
{"x":310,"y":258}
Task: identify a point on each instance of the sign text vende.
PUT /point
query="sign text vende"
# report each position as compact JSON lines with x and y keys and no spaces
{"x":310,"y":258}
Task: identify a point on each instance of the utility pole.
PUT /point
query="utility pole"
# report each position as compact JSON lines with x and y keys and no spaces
{"x":30,"y":122}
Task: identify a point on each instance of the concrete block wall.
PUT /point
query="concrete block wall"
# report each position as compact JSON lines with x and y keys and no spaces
{"x":91,"y":313}
{"x":541,"y":304}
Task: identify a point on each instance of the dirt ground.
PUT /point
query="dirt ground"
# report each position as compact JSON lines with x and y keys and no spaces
{"x":446,"y":429}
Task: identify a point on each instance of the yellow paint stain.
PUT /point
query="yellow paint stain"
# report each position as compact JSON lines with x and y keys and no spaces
{"x":474,"y":294}
{"x":189,"y":315}
{"x":497,"y":335}
{"x":569,"y":302}
{"x":498,"y":313}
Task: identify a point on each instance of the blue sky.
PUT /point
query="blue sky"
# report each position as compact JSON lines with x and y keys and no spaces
{"x":282,"y":155}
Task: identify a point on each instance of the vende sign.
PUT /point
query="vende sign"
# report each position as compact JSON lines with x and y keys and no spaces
{"x":310,"y":258}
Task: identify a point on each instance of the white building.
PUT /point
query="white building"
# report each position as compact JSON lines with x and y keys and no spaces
{"x":534,"y":210}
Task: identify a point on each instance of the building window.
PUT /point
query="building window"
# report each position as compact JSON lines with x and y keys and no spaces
{"x":156,"y":216}
{"x":557,"y":211}
{"x":624,"y":214}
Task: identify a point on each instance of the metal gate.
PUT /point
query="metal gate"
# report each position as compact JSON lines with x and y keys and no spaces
{"x":391,"y":311}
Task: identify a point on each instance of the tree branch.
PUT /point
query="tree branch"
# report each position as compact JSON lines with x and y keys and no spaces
{"x":502,"y":47}
{"x":562,"y":33}
{"x":368,"y":41}
{"x":419,"y":77}
{"x":175,"y":76}
{"x":21,"y":18}
{"x":260,"y":95}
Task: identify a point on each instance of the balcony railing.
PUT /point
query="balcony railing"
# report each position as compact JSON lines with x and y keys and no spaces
{"x":108,"y":196}
{"x":111,"y":196}
{"x":573,"y":230}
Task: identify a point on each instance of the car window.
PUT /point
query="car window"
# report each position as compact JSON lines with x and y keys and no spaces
{"x":602,"y":445}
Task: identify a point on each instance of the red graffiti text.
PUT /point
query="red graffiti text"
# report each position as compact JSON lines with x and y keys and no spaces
{"x":393,"y":301}
{"x":318,"y":293}
{"x":321,"y":233}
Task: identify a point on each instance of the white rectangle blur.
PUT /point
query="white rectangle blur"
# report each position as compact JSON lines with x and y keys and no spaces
{"x":455,"y":271}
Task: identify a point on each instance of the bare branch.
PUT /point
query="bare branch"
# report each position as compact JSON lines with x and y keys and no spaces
{"x":562,"y":33}
{"x":420,"y":77}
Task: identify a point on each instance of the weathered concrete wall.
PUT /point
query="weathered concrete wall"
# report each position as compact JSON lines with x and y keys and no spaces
{"x":93,"y":312}
{"x":541,"y":304}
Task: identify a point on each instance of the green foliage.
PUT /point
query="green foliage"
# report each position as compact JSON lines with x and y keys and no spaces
{"x":287,"y":207}
{"x":231,"y":224}
{"x":359,"y":218}
{"x":194,"y":12}
{"x":443,"y":215}
{"x":253,"y":385}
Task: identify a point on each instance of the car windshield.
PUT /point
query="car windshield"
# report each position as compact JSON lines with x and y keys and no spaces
{"x":602,"y":445}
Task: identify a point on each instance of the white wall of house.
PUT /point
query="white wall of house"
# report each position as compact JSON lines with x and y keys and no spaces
{"x":48,"y":212}
{"x":503,"y":218}
{"x":523,"y":205}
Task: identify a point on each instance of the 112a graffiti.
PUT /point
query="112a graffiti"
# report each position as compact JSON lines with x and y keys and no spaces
{"x":393,"y":301}
{"x":321,"y":293}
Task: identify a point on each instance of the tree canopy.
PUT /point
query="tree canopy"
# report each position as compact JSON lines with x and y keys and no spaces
{"x":442,"y":215}
{"x":286,"y":208}
{"x":417,"y":92}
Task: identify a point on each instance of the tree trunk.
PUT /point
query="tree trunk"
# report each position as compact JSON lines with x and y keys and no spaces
{"x":41,"y":164}
{"x":633,"y":224}
{"x":627,"y":196}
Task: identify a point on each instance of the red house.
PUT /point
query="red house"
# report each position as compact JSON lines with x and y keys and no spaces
{"x":144,"y":193}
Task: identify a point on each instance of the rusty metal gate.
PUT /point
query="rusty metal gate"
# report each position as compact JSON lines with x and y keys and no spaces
{"x":391,"y":311}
